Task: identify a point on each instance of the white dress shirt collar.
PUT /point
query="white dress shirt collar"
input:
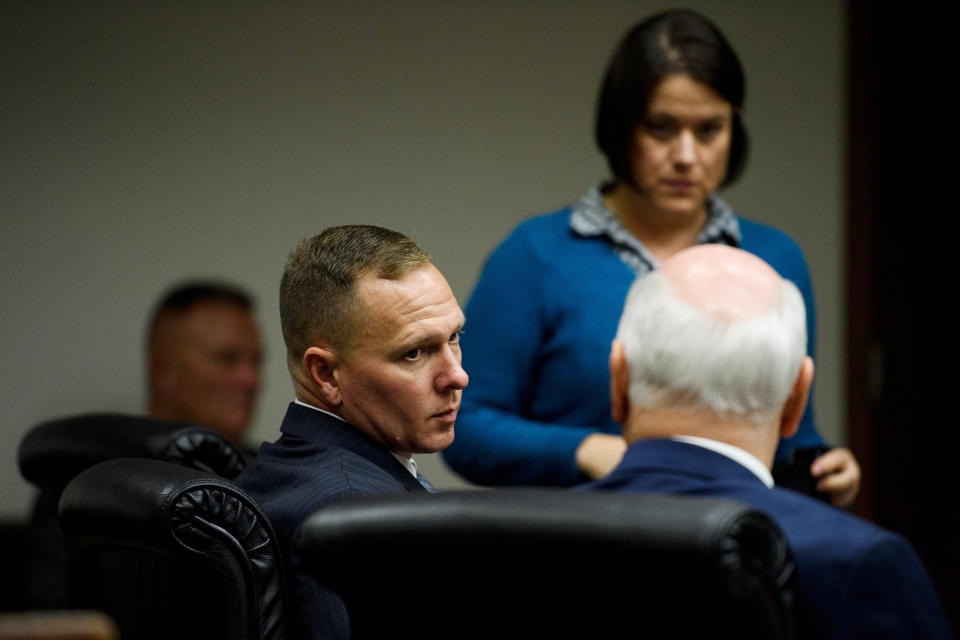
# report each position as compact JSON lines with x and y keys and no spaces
{"x":310,"y":406}
{"x":736,"y":454}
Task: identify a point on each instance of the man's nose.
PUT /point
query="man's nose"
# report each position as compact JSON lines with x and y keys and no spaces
{"x":452,"y":375}
{"x":248,"y":374}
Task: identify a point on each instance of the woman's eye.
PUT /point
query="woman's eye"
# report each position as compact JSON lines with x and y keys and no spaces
{"x":658,"y":129}
{"x":709,"y":130}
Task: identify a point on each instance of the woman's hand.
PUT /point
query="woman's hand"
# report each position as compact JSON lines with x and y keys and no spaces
{"x":599,"y":454}
{"x":838,"y":476}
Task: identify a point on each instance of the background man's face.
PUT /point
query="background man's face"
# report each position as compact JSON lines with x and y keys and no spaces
{"x":208,"y":367}
{"x":401,"y":380}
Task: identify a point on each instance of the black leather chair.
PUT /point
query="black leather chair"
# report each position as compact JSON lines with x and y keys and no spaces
{"x":54,"y":452}
{"x":172,"y":552}
{"x":550,"y":563}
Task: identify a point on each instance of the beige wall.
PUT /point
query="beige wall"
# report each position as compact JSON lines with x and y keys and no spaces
{"x":145,"y":142}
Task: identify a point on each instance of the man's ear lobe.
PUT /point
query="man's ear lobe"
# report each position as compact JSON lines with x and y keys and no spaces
{"x":319,"y":367}
{"x":619,"y":383}
{"x":797,"y":400}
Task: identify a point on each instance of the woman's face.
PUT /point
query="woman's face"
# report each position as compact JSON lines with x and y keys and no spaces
{"x":679,"y":152}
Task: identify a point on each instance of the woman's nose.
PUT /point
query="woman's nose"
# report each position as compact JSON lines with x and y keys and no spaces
{"x":684,"y":148}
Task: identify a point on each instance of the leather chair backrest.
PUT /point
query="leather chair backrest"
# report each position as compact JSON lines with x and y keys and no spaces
{"x":54,"y":452}
{"x":552,"y":563}
{"x":173,"y":552}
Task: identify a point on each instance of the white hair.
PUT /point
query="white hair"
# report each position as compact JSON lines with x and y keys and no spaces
{"x":680,"y":356}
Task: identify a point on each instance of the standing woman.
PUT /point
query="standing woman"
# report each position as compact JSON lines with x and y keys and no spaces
{"x":546,"y":306}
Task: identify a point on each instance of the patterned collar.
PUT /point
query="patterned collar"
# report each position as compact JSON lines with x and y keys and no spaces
{"x":591,"y":218}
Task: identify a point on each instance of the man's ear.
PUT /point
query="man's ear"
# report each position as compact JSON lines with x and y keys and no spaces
{"x":797,"y":400}
{"x":619,"y":383}
{"x":320,"y":366}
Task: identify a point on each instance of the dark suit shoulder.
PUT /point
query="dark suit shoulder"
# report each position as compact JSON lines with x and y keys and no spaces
{"x":888,"y":594}
{"x":858,"y":579}
{"x":291,"y":483}
{"x":317,"y":460}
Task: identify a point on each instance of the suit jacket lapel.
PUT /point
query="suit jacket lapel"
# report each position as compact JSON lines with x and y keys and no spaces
{"x":325,"y":430}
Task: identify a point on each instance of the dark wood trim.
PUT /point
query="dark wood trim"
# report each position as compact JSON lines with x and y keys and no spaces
{"x":902,"y":179}
{"x":863,"y":354}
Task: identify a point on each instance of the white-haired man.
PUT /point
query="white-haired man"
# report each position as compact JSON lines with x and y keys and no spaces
{"x":708,"y":370}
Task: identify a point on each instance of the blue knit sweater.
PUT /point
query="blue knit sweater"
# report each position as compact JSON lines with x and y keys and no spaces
{"x":536,"y":345}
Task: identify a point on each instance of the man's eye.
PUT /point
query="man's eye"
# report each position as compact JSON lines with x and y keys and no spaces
{"x":227,"y":358}
{"x":413,"y":354}
{"x":455,"y":337}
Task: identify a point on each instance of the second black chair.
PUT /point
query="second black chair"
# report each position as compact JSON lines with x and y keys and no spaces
{"x":172,"y":552}
{"x":54,"y":452}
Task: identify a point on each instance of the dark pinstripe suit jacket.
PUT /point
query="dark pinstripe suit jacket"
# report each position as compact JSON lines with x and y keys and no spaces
{"x":317,"y":460}
{"x":855,"y":579}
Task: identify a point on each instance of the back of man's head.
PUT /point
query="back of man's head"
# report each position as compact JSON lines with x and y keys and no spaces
{"x":317,"y":290}
{"x":716,"y":330}
{"x":204,"y":354}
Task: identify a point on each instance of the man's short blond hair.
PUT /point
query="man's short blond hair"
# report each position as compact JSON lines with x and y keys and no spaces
{"x":318,"y":301}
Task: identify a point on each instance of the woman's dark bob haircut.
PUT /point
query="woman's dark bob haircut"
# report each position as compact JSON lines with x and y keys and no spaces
{"x":675,"y":42}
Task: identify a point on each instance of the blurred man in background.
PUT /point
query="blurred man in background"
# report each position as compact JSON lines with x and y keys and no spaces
{"x":203,"y":358}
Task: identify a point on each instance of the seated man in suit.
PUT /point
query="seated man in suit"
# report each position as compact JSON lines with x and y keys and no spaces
{"x":203,"y":358}
{"x":372,"y":334}
{"x":708,"y":370}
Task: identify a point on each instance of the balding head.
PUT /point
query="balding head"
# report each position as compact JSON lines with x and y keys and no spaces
{"x":715,"y":330}
{"x":722,"y":282}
